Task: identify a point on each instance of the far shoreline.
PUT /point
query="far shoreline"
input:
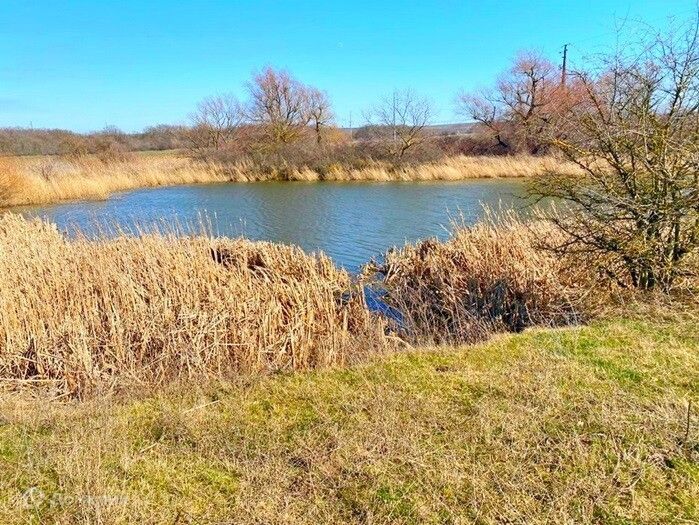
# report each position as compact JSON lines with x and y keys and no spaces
{"x":46,"y":179}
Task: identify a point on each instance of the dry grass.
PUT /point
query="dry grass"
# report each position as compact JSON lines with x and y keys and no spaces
{"x":451,"y":169}
{"x":492,"y":277}
{"x":40,"y":180}
{"x":81,"y":314}
{"x":455,"y":169}
{"x":581,"y":425}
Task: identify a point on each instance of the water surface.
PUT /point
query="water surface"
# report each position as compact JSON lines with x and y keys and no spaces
{"x":351,"y":222}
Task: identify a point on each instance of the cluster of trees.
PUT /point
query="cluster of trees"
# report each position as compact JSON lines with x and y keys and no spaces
{"x":286,"y":118}
{"x":629,"y":121}
{"x":528,"y":101}
{"x":23,"y":141}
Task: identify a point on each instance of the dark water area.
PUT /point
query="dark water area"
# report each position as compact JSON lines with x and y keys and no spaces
{"x":351,"y":222}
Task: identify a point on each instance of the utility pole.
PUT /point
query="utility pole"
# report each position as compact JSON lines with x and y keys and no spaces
{"x":394,"y":118}
{"x":350,"y":126}
{"x":565,"y":63}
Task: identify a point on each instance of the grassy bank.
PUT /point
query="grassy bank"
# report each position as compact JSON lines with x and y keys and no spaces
{"x":586,"y":424}
{"x":40,"y":180}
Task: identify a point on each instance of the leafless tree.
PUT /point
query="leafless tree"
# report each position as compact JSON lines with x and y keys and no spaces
{"x":523,"y":103}
{"x":215,"y":122}
{"x":399,"y":121}
{"x":635,"y":137}
{"x":279,"y":104}
{"x":320,"y":112}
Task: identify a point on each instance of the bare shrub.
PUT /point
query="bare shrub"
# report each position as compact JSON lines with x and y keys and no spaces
{"x":215,"y":123}
{"x":635,"y":138}
{"x":524,"y":106}
{"x":110,"y":151}
{"x":397,"y":124}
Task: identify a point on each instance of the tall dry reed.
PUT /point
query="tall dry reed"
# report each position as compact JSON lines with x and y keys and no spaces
{"x":83,"y":314}
{"x":492,"y":277}
{"x":41,"y":180}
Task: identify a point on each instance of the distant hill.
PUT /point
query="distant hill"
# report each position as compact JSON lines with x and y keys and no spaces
{"x":464,"y":128}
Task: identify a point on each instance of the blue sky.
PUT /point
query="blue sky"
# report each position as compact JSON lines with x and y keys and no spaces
{"x":82,"y":65}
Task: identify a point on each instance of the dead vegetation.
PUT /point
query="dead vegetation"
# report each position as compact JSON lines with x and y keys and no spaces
{"x":81,"y":315}
{"x":43,"y":180}
{"x":493,"y":277}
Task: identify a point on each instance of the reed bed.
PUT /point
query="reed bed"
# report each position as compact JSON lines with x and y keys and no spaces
{"x":493,"y":277}
{"x":84,"y":315}
{"x":449,"y":169}
{"x":43,"y":180}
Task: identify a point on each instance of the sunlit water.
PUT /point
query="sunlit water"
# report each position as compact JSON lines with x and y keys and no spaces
{"x":351,"y":222}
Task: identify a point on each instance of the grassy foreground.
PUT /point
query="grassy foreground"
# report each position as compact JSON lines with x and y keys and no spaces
{"x":45,"y":179}
{"x":586,"y":424}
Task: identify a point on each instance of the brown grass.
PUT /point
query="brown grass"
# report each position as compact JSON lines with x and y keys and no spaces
{"x":83,"y":314}
{"x":41,"y":180}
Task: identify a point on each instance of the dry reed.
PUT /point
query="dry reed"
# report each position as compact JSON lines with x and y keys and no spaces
{"x":492,"y":277}
{"x":81,"y":314}
{"x":42,"y":180}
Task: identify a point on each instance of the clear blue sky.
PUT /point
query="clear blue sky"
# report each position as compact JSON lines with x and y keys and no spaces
{"x":83,"y":64}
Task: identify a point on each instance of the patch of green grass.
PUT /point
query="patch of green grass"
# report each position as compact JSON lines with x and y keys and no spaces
{"x":587,"y":424}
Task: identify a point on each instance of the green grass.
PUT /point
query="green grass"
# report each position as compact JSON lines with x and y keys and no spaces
{"x":549,"y":426}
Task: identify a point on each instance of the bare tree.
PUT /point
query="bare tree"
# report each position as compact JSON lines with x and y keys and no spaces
{"x":635,"y":137}
{"x":320,"y":112}
{"x":523,"y":103}
{"x":399,"y":121}
{"x":215,"y":122}
{"x":279,"y":104}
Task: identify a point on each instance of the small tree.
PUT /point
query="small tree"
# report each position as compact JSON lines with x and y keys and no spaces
{"x":635,"y":137}
{"x":320,"y":113}
{"x":215,"y":122}
{"x":399,"y":122}
{"x":280,"y":104}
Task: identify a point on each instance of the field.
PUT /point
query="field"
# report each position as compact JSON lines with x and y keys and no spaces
{"x":46,"y":179}
{"x":584,"y":424}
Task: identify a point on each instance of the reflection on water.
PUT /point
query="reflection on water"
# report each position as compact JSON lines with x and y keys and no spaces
{"x":349,"y":222}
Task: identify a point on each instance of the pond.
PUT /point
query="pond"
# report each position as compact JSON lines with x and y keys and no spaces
{"x":351,"y":222}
